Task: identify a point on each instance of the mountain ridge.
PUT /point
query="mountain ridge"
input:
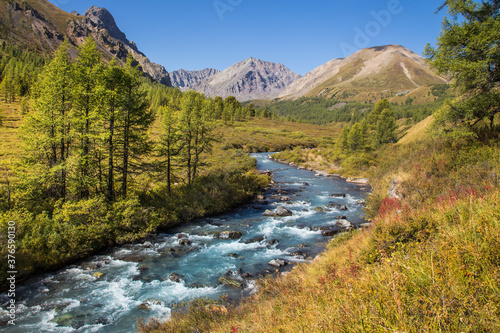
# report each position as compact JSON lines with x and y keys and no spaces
{"x":383,"y":71}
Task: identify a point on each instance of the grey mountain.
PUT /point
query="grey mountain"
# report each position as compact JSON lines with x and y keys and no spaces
{"x":188,"y":79}
{"x":249,"y":79}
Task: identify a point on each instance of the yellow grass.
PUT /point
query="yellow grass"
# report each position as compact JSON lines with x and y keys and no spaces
{"x":419,"y":132}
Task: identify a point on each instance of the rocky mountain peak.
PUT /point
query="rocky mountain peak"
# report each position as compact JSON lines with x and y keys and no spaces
{"x":249,"y":79}
{"x":101,"y":18}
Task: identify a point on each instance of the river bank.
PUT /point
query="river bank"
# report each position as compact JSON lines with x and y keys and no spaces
{"x":109,"y":292}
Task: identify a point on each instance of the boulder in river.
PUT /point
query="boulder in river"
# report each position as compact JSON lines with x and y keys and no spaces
{"x":331,"y":232}
{"x":319,"y":209}
{"x":279,"y":211}
{"x":256,"y":239}
{"x":63,"y":320}
{"x":268,"y":213}
{"x":232,"y":281}
{"x":282,"y":211}
{"x":148,"y":303}
{"x":343,"y":224}
{"x":343,"y":208}
{"x":231,"y":235}
{"x":272,"y":242}
{"x":174,"y":277}
{"x":277,"y":263}
{"x":184,"y":242}
{"x":337,"y":195}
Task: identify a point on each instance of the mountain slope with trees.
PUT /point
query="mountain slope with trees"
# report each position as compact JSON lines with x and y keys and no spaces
{"x":42,"y":27}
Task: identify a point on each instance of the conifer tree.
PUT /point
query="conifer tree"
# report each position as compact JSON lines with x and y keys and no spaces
{"x":169,"y":145}
{"x":386,"y":127}
{"x":136,"y":118}
{"x":111,"y":114}
{"x":47,"y":131}
{"x":468,"y":51}
{"x":356,"y":138}
{"x":88,"y":93}
{"x":342,"y":141}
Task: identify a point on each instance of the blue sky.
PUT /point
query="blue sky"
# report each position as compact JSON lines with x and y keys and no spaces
{"x":196,"y":34}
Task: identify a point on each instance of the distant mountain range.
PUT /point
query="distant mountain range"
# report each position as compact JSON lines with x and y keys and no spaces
{"x":370,"y":74}
{"x":249,"y":79}
{"x":40,"y":25}
{"x":367,"y":75}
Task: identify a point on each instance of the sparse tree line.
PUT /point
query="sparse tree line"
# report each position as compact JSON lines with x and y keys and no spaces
{"x":18,"y":71}
{"x":379,"y":127}
{"x":88,"y":133}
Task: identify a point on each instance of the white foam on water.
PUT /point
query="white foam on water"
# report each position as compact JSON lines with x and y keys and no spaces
{"x":224,"y":248}
{"x":252,"y":286}
{"x":201,"y":238}
{"x":50,"y":279}
{"x":78,"y":274}
{"x":177,"y":292}
{"x":160,"y":310}
{"x":269,"y":253}
{"x":301,"y":233}
{"x":270,"y":227}
{"x":304,"y":214}
{"x":211,"y":226}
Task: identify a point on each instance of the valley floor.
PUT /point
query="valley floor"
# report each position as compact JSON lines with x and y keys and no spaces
{"x":429,"y":263}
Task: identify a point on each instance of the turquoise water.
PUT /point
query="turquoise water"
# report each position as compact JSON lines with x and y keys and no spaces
{"x":135,"y":280}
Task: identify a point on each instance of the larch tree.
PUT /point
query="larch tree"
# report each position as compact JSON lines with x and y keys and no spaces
{"x":135,"y":119}
{"x":47,"y":132}
{"x":468,"y":51}
{"x":88,"y":97}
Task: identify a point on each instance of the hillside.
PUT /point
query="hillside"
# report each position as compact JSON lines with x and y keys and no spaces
{"x":249,"y":79}
{"x":39,"y":25}
{"x":369,"y":74}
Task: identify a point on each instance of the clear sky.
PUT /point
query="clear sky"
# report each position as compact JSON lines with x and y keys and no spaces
{"x":196,"y":34}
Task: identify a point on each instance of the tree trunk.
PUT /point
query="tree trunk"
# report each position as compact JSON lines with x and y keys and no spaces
{"x":111,"y":176}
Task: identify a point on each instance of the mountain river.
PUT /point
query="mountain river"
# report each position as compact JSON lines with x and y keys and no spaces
{"x":110,"y":291}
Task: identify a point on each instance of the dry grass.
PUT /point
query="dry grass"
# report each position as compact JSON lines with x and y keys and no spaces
{"x":417,"y":133}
